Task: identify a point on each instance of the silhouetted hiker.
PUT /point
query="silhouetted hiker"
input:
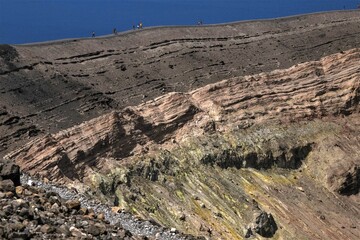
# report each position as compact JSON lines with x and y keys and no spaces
{"x":140,"y":25}
{"x":114,"y":31}
{"x":93,"y":34}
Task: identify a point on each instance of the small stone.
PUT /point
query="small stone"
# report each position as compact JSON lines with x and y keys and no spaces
{"x":101,"y":226}
{"x":9,"y":194}
{"x":64,"y":230}
{"x":182,"y":217}
{"x":202,"y":205}
{"x":93,"y":231}
{"x":7,"y":186}
{"x":97,"y":229}
{"x":122,"y":233}
{"x":50,"y":214}
{"x":101,"y":216}
{"x":89,"y":216}
{"x":55,"y":208}
{"x":60,"y":221}
{"x":27,"y":193}
{"x":83,"y":211}
{"x":91,"y":211}
{"x":19,"y":190}
{"x":47,"y":229}
{"x":322,"y":217}
{"x":84,"y":223}
{"x":116,"y":209}
{"x":73,"y":204}
{"x":218,"y":214}
{"x":2,"y":214}
{"x":249,"y":233}
{"x":2,"y":195}
{"x":76,"y":232}
{"x":24,"y":212}
{"x":19,"y":203}
{"x":7,"y":209}
{"x":300,"y":189}
{"x":173,"y":230}
{"x":16,"y":226}
{"x":47,"y":206}
{"x":63,"y":209}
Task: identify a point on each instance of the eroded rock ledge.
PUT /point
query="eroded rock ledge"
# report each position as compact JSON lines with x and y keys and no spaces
{"x":200,"y":160}
{"x":49,"y":87}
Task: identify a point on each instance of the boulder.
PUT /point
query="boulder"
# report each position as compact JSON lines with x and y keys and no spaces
{"x":266,"y":225}
{"x":7,"y":186}
{"x":73,"y":204}
{"x":9,"y":170}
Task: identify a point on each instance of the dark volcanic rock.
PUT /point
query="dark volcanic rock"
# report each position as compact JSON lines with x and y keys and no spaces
{"x":266,"y":225}
{"x":9,"y":170}
{"x":351,"y":182}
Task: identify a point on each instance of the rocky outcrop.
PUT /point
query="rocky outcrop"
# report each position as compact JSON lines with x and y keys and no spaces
{"x":49,"y":87}
{"x":286,"y":140}
{"x":281,"y":96}
{"x":266,"y":225}
{"x":10,"y":171}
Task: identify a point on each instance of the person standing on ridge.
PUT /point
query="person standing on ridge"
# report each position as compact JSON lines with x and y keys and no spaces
{"x":93,"y":34}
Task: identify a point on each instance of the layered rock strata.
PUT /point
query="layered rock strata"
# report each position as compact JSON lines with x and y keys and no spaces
{"x":48,"y":87}
{"x":285,"y":142}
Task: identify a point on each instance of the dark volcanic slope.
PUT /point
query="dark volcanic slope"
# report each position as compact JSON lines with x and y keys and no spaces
{"x":51,"y":86}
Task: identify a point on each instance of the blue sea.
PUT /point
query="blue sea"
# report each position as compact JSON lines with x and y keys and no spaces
{"x":26,"y":21}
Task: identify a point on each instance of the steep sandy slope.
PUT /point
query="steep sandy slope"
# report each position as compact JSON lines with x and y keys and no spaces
{"x":211,"y":160}
{"x":52,"y":86}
